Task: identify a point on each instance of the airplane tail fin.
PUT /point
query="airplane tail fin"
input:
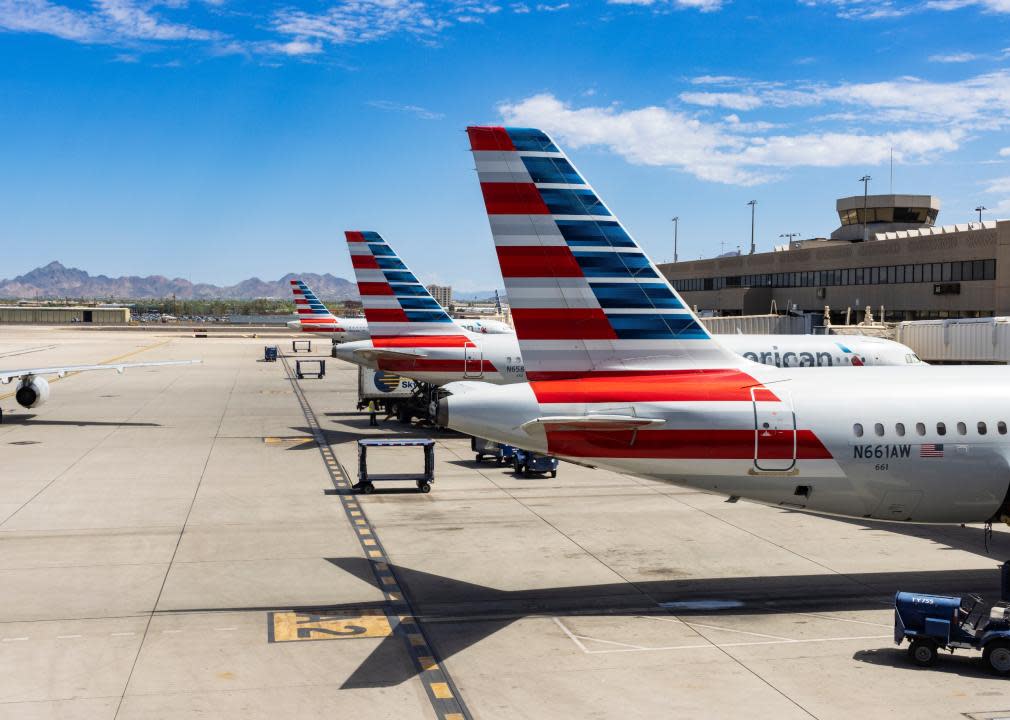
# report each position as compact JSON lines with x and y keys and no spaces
{"x":396,"y":304}
{"x":311,"y":310}
{"x":585,"y":298}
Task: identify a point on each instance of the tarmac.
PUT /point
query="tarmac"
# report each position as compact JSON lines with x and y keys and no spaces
{"x":183,"y":541}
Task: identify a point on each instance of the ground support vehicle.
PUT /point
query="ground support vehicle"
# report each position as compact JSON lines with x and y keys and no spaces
{"x":931,"y":622}
{"x":387,"y":390}
{"x":528,"y":463}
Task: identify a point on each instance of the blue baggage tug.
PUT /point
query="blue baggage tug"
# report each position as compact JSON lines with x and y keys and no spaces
{"x":931,"y":622}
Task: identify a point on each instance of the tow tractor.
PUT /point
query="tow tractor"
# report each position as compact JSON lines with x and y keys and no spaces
{"x":528,"y":463}
{"x":931,"y":622}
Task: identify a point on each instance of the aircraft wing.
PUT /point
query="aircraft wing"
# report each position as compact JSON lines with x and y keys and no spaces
{"x":7,"y":375}
{"x":592,"y":422}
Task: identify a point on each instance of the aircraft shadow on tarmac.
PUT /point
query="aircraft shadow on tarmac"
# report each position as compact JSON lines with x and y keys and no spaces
{"x":362,"y":431}
{"x":30,"y":420}
{"x":457,"y":614}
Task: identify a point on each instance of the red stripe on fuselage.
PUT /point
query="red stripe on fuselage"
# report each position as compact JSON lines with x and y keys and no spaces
{"x":513,"y":199}
{"x":428,"y":341}
{"x":684,"y":444}
{"x":539,"y":261}
{"x":562,"y":324}
{"x":405,"y":365}
{"x":489,"y":138}
{"x":666,"y":386}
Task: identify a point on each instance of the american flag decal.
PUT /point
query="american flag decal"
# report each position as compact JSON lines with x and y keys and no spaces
{"x":931,"y":450}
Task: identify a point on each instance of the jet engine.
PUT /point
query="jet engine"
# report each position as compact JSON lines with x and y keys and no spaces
{"x":32,"y":392}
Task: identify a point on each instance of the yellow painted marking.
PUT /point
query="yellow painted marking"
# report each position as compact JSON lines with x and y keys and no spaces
{"x":364,"y":531}
{"x":416,"y":640}
{"x":355,"y":512}
{"x":359,"y":521}
{"x":427,"y":663}
{"x":388,"y":580}
{"x":284,"y":440}
{"x":110,"y":361}
{"x":371,"y":542}
{"x":453,"y":716}
{"x":381,"y":566}
{"x":441,"y":691}
{"x":292,"y":626}
{"x":392,"y":597}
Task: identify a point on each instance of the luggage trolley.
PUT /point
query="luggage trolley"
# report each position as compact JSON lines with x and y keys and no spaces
{"x":423,"y":480}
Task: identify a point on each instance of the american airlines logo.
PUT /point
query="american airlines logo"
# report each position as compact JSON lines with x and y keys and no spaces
{"x":804,"y":358}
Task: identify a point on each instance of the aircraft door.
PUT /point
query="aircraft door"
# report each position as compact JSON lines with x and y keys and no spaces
{"x":774,"y":430}
{"x":473,"y":361}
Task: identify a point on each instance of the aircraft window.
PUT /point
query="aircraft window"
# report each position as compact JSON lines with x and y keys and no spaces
{"x":878,"y":428}
{"x":920,"y":428}
{"x":1001,"y":427}
{"x":941,"y":429}
{"x":900,"y":429}
{"x":962,"y":429}
{"x":858,"y":429}
{"x":982,"y":430}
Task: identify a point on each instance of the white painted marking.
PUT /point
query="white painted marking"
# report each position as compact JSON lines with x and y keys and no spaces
{"x":171,"y":631}
{"x":848,"y":620}
{"x":17,"y":639}
{"x":712,"y":627}
{"x":66,"y":637}
{"x":122,"y":634}
{"x":225,"y":629}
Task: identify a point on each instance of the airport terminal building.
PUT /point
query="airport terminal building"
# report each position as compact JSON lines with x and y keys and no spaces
{"x":913,"y":268}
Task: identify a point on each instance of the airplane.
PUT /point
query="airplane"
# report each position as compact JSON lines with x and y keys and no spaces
{"x":622,"y":375}
{"x":315,"y":317}
{"x":33,"y":389}
{"x":411,"y":334}
{"x":384,"y":283}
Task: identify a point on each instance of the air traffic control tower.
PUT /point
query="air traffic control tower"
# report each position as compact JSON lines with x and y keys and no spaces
{"x":883,"y":213}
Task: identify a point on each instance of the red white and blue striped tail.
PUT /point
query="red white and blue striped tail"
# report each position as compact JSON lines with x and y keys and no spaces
{"x":311,"y":310}
{"x":398,"y":308}
{"x":585,"y":299}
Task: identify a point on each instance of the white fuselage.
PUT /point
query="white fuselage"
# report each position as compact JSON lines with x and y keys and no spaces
{"x":925,"y":444}
{"x":343,"y":330}
{"x":496,"y":358}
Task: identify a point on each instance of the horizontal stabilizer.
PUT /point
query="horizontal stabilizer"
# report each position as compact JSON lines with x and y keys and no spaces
{"x":387,"y":354}
{"x":592,"y":422}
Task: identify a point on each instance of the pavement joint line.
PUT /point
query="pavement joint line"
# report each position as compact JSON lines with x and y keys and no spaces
{"x":439,"y":687}
{"x":178,"y":542}
{"x":531,"y":509}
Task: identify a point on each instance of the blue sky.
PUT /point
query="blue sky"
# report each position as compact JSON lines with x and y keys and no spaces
{"x":218,"y":140}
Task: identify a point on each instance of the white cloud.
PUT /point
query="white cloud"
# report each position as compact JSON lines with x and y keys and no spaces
{"x":553,"y":8}
{"x":953,"y":57}
{"x":864,"y":9}
{"x":110,"y":21}
{"x":415,"y":110}
{"x":999,"y":6}
{"x":1000,"y":188}
{"x":357,"y":21}
{"x":1004,"y":152}
{"x":661,"y":137}
{"x":702,"y":5}
{"x":731,"y":101}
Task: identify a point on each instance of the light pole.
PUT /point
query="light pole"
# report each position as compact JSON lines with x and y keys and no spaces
{"x":790,"y":236}
{"x":753,"y":204}
{"x":676,"y":225}
{"x":979,"y":210}
{"x":866,"y":184}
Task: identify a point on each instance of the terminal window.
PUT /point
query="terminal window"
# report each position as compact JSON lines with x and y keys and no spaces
{"x":963,"y":271}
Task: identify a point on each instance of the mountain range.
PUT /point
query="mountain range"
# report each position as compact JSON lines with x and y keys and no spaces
{"x":57,"y":281}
